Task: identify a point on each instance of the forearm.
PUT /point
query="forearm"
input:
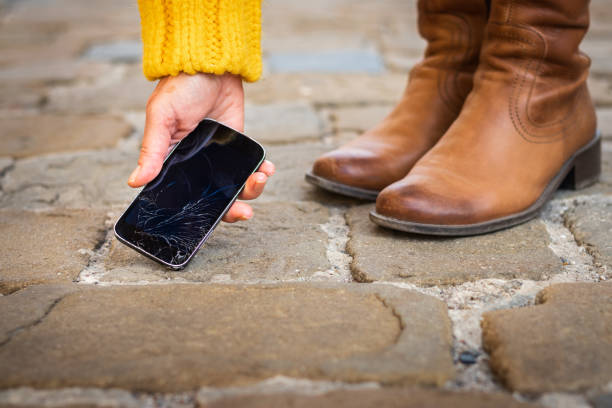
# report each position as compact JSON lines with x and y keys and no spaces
{"x":211,"y":36}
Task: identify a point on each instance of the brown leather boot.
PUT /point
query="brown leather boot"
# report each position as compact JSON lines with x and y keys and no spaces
{"x":433,"y":98}
{"x":528,"y":125}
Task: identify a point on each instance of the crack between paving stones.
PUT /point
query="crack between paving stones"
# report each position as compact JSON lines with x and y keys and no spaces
{"x":12,"y":333}
{"x":575,"y":255}
{"x":339,"y":259}
{"x":590,"y":249}
{"x":4,"y":172}
{"x":94,"y":269}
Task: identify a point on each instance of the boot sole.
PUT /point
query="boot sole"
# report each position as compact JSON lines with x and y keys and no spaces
{"x":581,"y":170}
{"x":339,"y":188}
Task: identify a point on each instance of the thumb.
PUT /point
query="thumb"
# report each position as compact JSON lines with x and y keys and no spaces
{"x":155,"y":144}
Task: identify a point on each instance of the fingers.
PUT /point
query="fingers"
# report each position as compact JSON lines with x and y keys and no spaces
{"x":267,"y":167}
{"x":239,"y":211}
{"x":254,"y":186}
{"x":155,"y":144}
{"x":252,"y":189}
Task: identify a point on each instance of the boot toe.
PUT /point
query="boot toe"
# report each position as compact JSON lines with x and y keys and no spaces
{"x":418,"y":204}
{"x":350,"y":167}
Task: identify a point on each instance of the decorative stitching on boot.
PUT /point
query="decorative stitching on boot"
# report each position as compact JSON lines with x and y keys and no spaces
{"x":517,"y":89}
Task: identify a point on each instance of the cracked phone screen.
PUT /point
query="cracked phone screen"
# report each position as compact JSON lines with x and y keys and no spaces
{"x":174,"y":213}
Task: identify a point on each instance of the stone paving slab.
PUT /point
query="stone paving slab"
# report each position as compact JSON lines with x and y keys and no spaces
{"x":18,"y":96}
{"x":179,"y":337}
{"x":292,"y":162}
{"x":601,"y":90}
{"x":76,"y":180}
{"x":300,"y":122}
{"x":381,"y":254}
{"x":126,"y":51}
{"x":26,"y":307}
{"x":357,"y":119}
{"x":30,"y":135}
{"x":283,"y":241}
{"x":601,"y":401}
{"x":600,"y":52}
{"x":108,"y":94}
{"x":388,"y":398}
{"x":5,"y":164}
{"x":327,"y":89}
{"x":604,"y":122}
{"x":52,"y":72}
{"x":26,"y":397}
{"x":591,"y":225}
{"x":564,"y":343}
{"x":46,"y":247}
{"x":37,"y":43}
{"x":344,"y":61}
{"x":287,"y":38}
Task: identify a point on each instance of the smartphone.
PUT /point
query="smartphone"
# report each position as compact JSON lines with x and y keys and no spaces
{"x":199,"y":181}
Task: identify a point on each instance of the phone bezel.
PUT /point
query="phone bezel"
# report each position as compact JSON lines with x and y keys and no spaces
{"x":203,"y":240}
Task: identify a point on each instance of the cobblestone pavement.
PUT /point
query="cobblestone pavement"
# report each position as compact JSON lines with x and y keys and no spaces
{"x":308,"y":304}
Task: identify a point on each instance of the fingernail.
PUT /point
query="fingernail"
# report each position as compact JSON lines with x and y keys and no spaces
{"x":260,"y":178}
{"x":245,"y":217}
{"x":134,"y":174}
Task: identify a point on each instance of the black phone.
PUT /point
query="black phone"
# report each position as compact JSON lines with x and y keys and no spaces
{"x":200,"y":179}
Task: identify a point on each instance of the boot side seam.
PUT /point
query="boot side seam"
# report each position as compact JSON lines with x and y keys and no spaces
{"x":446,"y":80}
{"x":518,"y":84}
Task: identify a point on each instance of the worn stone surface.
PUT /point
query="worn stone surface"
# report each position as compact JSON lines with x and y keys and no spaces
{"x":300,"y":122}
{"x":118,"y":51}
{"x":599,"y":50}
{"x":20,"y":96}
{"x":24,"y":308}
{"x":224,"y":335}
{"x":602,"y":401}
{"x":601,"y":90}
{"x":29,"y":135}
{"x":283,"y":241}
{"x":287,"y":38}
{"x":46,"y":247}
{"x":36,"y":43}
{"x":564,"y":343}
{"x":591,"y":225}
{"x":292,"y":162}
{"x":604,"y":122}
{"x":358,"y":118}
{"x":380,"y":254}
{"x":388,"y":398}
{"x":52,"y":72}
{"x":76,"y":180}
{"x":333,"y":61}
{"x":5,"y":164}
{"x":26,"y":397}
{"x":108,"y":93}
{"x":327,"y":88}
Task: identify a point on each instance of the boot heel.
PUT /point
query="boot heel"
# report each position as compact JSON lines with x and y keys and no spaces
{"x":586,"y":168}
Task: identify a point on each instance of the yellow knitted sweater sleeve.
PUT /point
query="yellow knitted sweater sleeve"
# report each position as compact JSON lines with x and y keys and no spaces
{"x":212,"y":36}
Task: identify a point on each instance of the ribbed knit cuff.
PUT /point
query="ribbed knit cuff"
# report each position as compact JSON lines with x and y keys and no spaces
{"x":212,"y":36}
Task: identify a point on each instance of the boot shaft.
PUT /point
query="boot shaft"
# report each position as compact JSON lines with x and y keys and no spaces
{"x":531,"y":49}
{"x":454,"y":32}
{"x":548,"y":31}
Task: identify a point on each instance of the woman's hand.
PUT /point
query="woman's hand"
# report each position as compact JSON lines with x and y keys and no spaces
{"x":175,"y":108}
